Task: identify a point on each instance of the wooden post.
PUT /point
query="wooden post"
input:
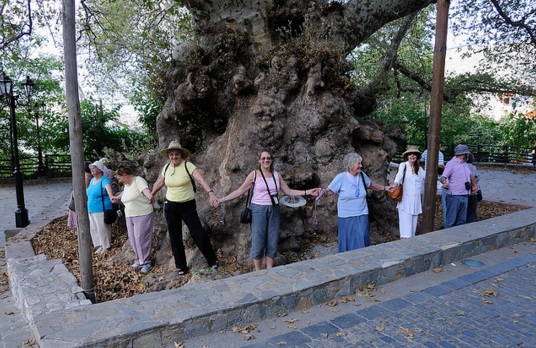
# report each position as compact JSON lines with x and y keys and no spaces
{"x":77,"y":150}
{"x":436,"y":101}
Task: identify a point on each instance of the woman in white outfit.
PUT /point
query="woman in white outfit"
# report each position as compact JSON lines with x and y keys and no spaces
{"x":411,"y":176}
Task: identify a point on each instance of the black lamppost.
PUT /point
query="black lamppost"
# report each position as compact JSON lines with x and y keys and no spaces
{"x":6,"y":92}
{"x":39,"y":109}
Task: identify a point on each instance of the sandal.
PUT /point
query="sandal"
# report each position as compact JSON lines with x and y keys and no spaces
{"x":181,"y":272}
{"x":216,"y":266}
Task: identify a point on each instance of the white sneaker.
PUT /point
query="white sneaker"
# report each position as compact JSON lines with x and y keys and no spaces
{"x":135,"y":265}
{"x":99,"y":251}
{"x":146,"y":268}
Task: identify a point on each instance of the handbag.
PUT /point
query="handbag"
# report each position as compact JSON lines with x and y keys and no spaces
{"x":370,"y":206}
{"x":396,"y":194}
{"x":479,"y":195}
{"x":245,"y":215}
{"x":110,"y":215}
{"x":71,"y":202}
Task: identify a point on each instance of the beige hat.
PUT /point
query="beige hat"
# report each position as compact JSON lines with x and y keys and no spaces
{"x":411,"y":150}
{"x":175,"y":145}
{"x":97,"y":164}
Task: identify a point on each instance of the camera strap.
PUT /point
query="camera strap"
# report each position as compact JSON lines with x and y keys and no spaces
{"x":268,"y":188}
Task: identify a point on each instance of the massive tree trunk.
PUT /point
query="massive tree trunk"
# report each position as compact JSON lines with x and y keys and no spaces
{"x":273,"y":73}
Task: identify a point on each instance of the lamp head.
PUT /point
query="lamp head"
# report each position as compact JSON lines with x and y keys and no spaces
{"x":28,"y":85}
{"x":6,"y":85}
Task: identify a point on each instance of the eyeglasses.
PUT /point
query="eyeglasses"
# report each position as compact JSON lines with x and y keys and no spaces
{"x":266,"y":158}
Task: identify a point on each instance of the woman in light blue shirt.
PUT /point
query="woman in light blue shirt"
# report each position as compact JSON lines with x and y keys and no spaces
{"x":99,"y":193}
{"x":352,"y":210}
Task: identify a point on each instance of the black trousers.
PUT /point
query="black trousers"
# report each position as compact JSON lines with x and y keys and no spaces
{"x":175,"y":213}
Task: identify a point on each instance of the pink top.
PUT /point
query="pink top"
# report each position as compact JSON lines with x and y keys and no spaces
{"x":260,"y":193}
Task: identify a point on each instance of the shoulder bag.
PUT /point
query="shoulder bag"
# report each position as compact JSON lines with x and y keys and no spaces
{"x":396,"y":194}
{"x":245,"y":215}
{"x":370,"y":206}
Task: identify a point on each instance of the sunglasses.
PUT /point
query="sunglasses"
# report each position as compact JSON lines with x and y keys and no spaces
{"x":266,"y":158}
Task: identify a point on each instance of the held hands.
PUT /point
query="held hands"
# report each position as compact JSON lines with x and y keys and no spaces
{"x":214,"y":201}
{"x":314,"y":192}
{"x":390,"y":188}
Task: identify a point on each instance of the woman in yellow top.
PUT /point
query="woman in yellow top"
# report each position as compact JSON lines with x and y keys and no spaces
{"x":180,"y":205}
{"x":139,"y":216}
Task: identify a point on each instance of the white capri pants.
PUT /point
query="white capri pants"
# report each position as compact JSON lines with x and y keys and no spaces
{"x":101,"y":233}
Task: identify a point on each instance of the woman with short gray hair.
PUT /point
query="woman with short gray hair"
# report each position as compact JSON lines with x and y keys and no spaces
{"x":352,"y":209}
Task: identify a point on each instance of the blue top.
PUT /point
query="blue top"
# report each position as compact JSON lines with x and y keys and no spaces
{"x":96,"y":192}
{"x":346,"y":186}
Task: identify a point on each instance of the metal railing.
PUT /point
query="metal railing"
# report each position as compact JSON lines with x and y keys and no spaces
{"x":490,"y":153}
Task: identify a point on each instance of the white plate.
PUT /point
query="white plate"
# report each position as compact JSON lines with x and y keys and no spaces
{"x":293,"y":201}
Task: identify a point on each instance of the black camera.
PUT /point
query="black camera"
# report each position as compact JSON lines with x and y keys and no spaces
{"x":467,"y":185}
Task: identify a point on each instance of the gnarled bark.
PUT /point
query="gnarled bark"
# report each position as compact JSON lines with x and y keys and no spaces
{"x":273,"y":74}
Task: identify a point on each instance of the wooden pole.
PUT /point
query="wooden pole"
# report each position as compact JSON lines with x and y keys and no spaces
{"x":436,"y":101}
{"x":77,"y":150}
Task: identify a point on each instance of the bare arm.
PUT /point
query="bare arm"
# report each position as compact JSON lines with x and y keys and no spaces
{"x":292,"y":192}
{"x":148,"y":194}
{"x":241,"y":190}
{"x":377,"y":187}
{"x":200,"y":179}
{"x":158,"y":185}
{"x":108,"y":188}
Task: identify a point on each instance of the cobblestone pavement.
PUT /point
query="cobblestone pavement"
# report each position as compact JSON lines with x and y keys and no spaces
{"x":456,"y":306}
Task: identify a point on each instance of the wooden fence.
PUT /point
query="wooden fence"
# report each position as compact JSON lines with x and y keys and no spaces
{"x":54,"y":166}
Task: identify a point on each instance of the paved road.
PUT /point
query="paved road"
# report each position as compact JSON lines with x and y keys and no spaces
{"x":40,"y":200}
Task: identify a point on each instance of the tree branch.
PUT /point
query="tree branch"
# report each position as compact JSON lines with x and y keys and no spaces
{"x":20,"y":28}
{"x":362,"y":19}
{"x":389,"y":58}
{"x":518,"y":24}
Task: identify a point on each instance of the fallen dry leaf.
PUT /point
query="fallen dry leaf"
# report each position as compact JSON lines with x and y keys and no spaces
{"x":437,"y":270}
{"x":379,"y":328}
{"x":249,"y":337}
{"x":291,"y":321}
{"x":332,"y":303}
{"x":341,"y":334}
{"x":346,"y":299}
{"x":489,"y":292}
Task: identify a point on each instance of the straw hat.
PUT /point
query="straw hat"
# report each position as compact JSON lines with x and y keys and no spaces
{"x":175,"y":145}
{"x":411,"y":150}
{"x":293,"y":201}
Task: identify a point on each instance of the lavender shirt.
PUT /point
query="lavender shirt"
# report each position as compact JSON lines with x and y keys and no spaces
{"x":458,"y":173}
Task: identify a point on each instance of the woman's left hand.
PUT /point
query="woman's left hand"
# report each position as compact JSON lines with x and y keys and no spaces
{"x":213,"y":200}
